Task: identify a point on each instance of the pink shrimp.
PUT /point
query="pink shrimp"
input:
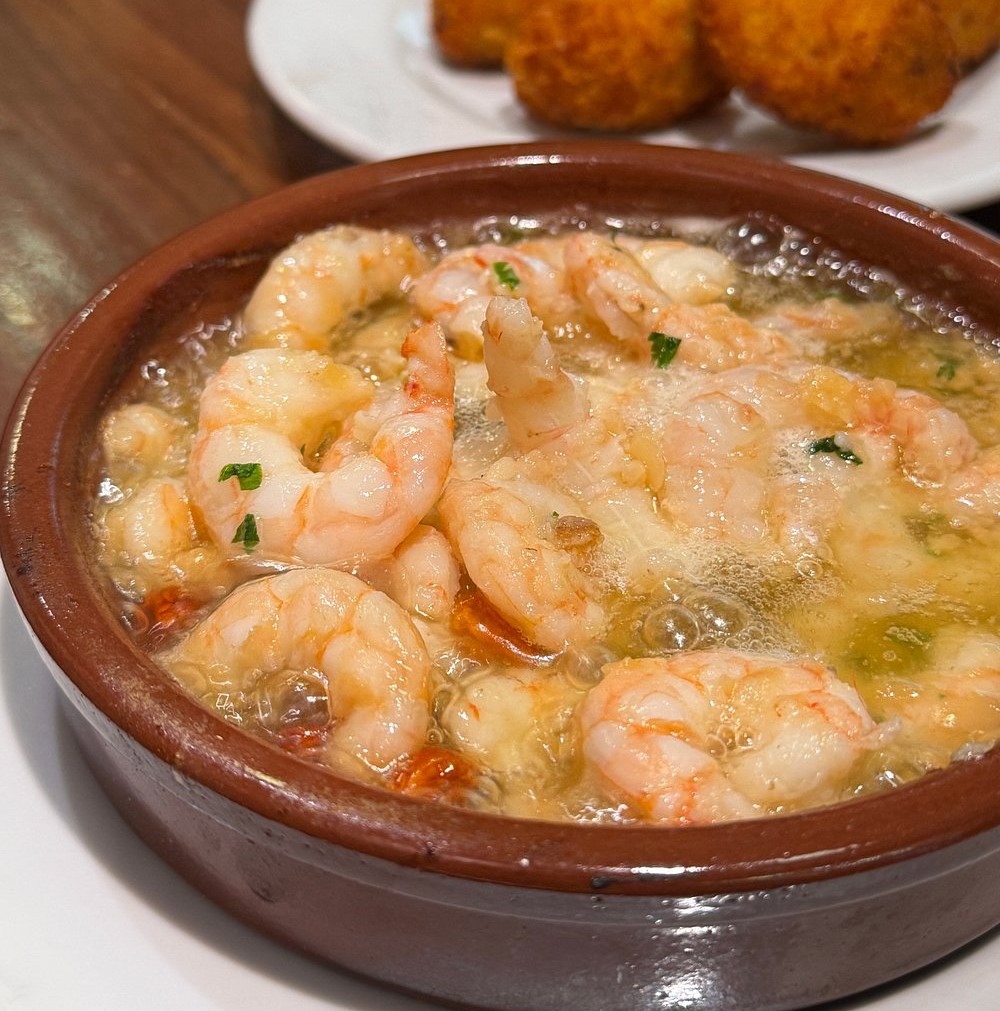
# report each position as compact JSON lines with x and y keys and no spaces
{"x":716,"y":735}
{"x":372,"y":486}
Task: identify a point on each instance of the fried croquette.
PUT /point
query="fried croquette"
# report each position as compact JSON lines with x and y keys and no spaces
{"x":475,"y":33}
{"x":974,"y":26}
{"x":865,"y":73}
{"x":608,"y":65}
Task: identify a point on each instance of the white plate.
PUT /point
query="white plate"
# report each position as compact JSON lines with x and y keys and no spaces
{"x":365,"y":78}
{"x":92,"y":919}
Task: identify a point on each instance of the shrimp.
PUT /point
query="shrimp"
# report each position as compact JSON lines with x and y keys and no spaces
{"x":148,"y":523}
{"x":152,"y":528}
{"x":619,"y":293}
{"x":548,"y":411}
{"x":694,"y":275}
{"x":565,"y":444}
{"x":457,"y":291}
{"x":708,"y":736}
{"x":909,"y":433}
{"x":143,"y":437}
{"x":716,"y":452}
{"x":422,"y":575}
{"x":537,"y":399}
{"x":729,"y":462}
{"x":899,"y":428}
{"x":930,"y":441}
{"x":830,"y":321}
{"x":502,"y":535}
{"x":318,"y":281}
{"x":315,"y":655}
{"x":151,"y":542}
{"x":759,"y":456}
{"x":270,"y":410}
{"x":515,"y":721}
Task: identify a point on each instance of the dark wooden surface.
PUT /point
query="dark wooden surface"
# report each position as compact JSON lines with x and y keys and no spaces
{"x":123,"y":122}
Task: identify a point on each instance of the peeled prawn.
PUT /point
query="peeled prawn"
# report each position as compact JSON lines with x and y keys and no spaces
{"x":457,"y":290}
{"x":566,"y":443}
{"x":421,"y":575}
{"x":616,"y":290}
{"x":537,"y":399}
{"x":900,"y":428}
{"x":515,"y":722}
{"x":930,"y":441}
{"x":317,"y":282}
{"x":707,"y":736}
{"x":143,"y":438}
{"x":151,"y":541}
{"x":830,"y":321}
{"x":502,"y":537}
{"x":365,"y":662}
{"x":755,"y":454}
{"x":270,"y":409}
{"x":153,"y":528}
{"x":514,"y":537}
{"x":694,"y":275}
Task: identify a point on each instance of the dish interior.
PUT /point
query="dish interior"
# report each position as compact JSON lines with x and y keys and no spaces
{"x":168,"y":300}
{"x":755,"y":478}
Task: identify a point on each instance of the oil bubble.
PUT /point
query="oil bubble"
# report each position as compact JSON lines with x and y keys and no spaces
{"x":670,"y":628}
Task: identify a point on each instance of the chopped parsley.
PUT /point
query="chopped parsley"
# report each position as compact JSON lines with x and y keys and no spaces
{"x":246,"y":533}
{"x":249,"y":475}
{"x":829,"y":445}
{"x":505,"y":274}
{"x":947,"y":369}
{"x":664,"y":348}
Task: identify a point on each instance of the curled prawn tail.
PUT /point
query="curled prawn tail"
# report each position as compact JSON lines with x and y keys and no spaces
{"x":362,"y":660}
{"x":539,"y":401}
{"x":415,"y":444}
{"x":407,"y":459}
{"x":613,"y":288}
{"x":619,"y":292}
{"x":430,"y":382}
{"x":313,"y":285}
{"x":499,"y":535}
{"x":414,"y":438}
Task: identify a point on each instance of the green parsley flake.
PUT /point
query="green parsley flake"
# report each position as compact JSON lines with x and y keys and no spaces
{"x":246,"y":533}
{"x":505,"y":274}
{"x":829,"y":445}
{"x":948,"y":368}
{"x":664,"y":348}
{"x":248,"y":474}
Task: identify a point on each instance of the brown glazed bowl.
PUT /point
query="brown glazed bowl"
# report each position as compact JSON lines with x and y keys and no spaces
{"x":467,"y":908}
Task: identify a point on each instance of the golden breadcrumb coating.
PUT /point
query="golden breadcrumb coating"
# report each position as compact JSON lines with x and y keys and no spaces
{"x":611,"y":65}
{"x":975,"y":27}
{"x":866,"y":73}
{"x":474,"y":33}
